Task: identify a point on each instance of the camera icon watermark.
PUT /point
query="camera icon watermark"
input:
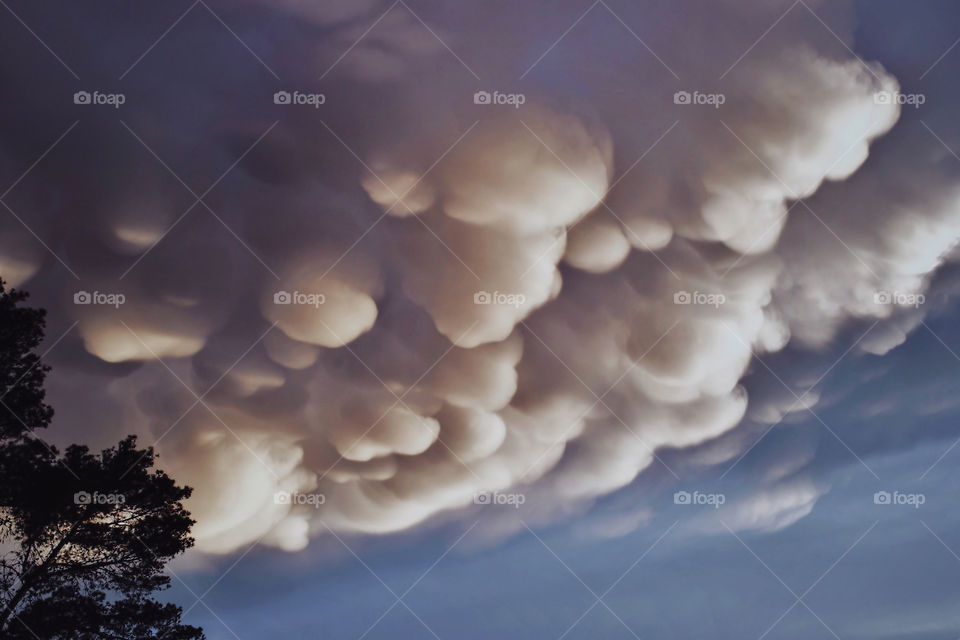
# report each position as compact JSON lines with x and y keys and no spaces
{"x":295,"y":498}
{"x":899,"y":298}
{"x":714,"y":500}
{"x":97,"y":498}
{"x":914,"y":500}
{"x":300,"y":298}
{"x":97,"y":98}
{"x":895,"y":97}
{"x":697,"y":98}
{"x":500,"y":499}
{"x":497,"y":98}
{"x":299,"y":98}
{"x":699,"y":298}
{"x":98,"y":298}
{"x":497,"y":298}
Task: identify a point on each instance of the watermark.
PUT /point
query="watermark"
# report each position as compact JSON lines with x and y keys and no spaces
{"x":98,"y":98}
{"x":712,"y":99}
{"x":99,"y":298}
{"x":296,"y":498}
{"x":697,"y":498}
{"x":512,"y":99}
{"x":910,"y":499}
{"x":84,"y":497}
{"x":698,"y":297}
{"x":510,"y":499}
{"x":299,"y":98}
{"x":298,"y":297}
{"x":895,"y":97}
{"x":498,"y":298}
{"x":898,"y":298}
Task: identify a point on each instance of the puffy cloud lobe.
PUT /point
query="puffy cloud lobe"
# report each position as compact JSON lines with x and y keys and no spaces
{"x":503,"y":199}
{"x":597,"y":245}
{"x":321,"y":307}
{"x":239,"y":476}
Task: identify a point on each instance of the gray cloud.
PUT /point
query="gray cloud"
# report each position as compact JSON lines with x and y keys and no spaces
{"x":402,"y":298}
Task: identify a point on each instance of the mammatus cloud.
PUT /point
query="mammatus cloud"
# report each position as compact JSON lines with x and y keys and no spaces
{"x":409,"y":296}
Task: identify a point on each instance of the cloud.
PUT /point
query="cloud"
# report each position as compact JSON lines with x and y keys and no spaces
{"x":407,"y":297}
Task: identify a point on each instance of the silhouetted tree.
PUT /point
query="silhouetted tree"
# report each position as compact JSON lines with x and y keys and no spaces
{"x":21,"y":373}
{"x":83,"y":537}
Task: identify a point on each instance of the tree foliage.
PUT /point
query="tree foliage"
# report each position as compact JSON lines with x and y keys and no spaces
{"x":84,"y":537}
{"x":21,"y":373}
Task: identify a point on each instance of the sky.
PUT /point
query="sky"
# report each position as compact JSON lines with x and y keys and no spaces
{"x":507,"y":319}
